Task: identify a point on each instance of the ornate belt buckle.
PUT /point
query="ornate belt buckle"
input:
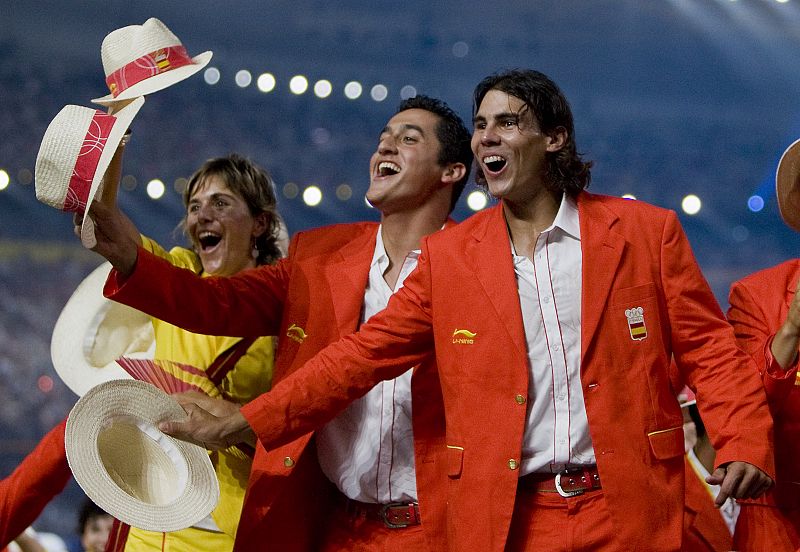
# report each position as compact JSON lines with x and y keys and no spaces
{"x":562,"y":492}
{"x":391,"y":524}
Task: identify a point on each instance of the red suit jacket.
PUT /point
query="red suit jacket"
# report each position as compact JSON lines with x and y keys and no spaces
{"x":315,"y":298}
{"x":41,"y":476}
{"x":759,"y":305}
{"x":634,"y":255}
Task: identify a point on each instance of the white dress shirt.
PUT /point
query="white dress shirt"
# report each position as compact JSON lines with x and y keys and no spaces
{"x":367,"y":451}
{"x":549,"y":286}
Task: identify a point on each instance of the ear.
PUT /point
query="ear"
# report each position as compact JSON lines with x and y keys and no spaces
{"x":557,"y":139}
{"x":260,"y":224}
{"x":453,"y":172}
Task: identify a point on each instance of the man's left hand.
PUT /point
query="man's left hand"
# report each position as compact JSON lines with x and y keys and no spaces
{"x":739,"y":480}
{"x":208,"y":431}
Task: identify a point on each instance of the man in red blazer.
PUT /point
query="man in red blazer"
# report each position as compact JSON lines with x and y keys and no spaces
{"x":333,"y":279}
{"x":543,"y":314}
{"x":765,"y":313}
{"x":41,"y":476}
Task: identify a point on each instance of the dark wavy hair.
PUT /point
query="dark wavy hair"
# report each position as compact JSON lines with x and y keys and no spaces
{"x":453,"y":135}
{"x":565,"y":170}
{"x":255,"y":186}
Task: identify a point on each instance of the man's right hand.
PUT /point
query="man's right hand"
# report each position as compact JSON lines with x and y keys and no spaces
{"x":117,"y":238}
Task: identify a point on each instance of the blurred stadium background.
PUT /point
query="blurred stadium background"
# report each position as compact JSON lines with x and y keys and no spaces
{"x":685,"y":104}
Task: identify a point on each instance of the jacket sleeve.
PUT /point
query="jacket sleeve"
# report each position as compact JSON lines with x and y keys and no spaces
{"x":41,"y":476}
{"x":391,"y":342}
{"x":755,"y":332}
{"x":730,"y":397}
{"x":248,"y":304}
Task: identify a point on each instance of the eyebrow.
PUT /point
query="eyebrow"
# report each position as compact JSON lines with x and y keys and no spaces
{"x":496,"y":117}
{"x":215,"y":195}
{"x":406,"y":126}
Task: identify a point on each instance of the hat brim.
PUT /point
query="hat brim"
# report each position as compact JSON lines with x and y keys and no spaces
{"x":787,"y":186}
{"x":158,"y":82}
{"x":124,"y":117}
{"x":132,"y":470}
{"x":92,"y":332}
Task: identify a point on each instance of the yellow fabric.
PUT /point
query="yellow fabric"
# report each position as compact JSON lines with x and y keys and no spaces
{"x":251,"y":377}
{"x":188,"y":540}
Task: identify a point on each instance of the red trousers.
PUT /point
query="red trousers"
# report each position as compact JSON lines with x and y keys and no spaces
{"x":761,"y":527}
{"x":545,"y":522}
{"x":349,"y":532}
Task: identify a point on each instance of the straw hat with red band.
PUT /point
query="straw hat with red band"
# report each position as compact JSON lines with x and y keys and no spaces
{"x":142,"y":59}
{"x":76,"y":150}
{"x":787,"y":186}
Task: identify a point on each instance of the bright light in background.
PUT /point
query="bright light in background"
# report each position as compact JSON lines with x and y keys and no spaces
{"x":344,"y":192}
{"x":379,"y":92}
{"x":628,"y":196}
{"x":45,"y":384}
{"x":4,"y":179}
{"x":243,"y":78}
{"x":155,"y":189}
{"x":352,"y":90}
{"x":740,"y":233}
{"x":323,"y":88}
{"x":782,"y":1}
{"x":266,"y":82}
{"x":460,"y":49}
{"x":312,"y":196}
{"x":755,"y":203}
{"x":298,"y":84}
{"x":211,"y":75}
{"x":290,"y":190}
{"x":476,"y":200}
{"x":691,"y":204}
{"x":407,"y":92}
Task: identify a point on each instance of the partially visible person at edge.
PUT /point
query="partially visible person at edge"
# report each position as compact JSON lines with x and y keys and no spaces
{"x":356,"y":484}
{"x":232,"y":225}
{"x":765,"y":313}
{"x":543,"y":315}
{"x":41,"y":475}
{"x":94,"y":526}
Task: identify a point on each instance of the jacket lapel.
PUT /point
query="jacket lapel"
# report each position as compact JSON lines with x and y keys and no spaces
{"x":489,"y":252}
{"x":347,"y":275}
{"x":602,"y":249}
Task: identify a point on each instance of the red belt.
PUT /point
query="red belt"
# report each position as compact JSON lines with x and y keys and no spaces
{"x":571,"y":482}
{"x":395,"y":515}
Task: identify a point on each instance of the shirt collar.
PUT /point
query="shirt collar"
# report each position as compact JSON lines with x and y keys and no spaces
{"x":567,"y":217}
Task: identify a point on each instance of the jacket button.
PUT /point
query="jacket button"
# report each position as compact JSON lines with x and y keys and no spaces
{"x":288,"y":462}
{"x":520,"y":399}
{"x":513,"y":464}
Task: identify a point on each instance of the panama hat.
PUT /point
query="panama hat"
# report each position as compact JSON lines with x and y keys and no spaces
{"x":142,"y":59}
{"x":132,"y":470}
{"x":787,"y":186}
{"x":76,"y":151}
{"x":92,"y":332}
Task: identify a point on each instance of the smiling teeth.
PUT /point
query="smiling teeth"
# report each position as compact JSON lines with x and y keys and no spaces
{"x":388,"y":165}
{"x":202,"y":235}
{"x":493,"y":159}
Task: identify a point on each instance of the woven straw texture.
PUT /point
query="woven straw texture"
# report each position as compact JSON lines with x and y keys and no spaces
{"x":130,"y":469}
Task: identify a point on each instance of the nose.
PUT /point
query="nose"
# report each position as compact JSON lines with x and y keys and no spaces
{"x":204,"y":212}
{"x":387,"y":145}
{"x":487,"y":136}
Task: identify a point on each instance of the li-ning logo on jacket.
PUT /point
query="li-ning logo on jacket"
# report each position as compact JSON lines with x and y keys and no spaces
{"x":463,"y":337}
{"x":296,"y":332}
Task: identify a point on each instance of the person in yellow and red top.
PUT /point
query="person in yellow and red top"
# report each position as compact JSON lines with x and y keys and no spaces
{"x":232,"y":224}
